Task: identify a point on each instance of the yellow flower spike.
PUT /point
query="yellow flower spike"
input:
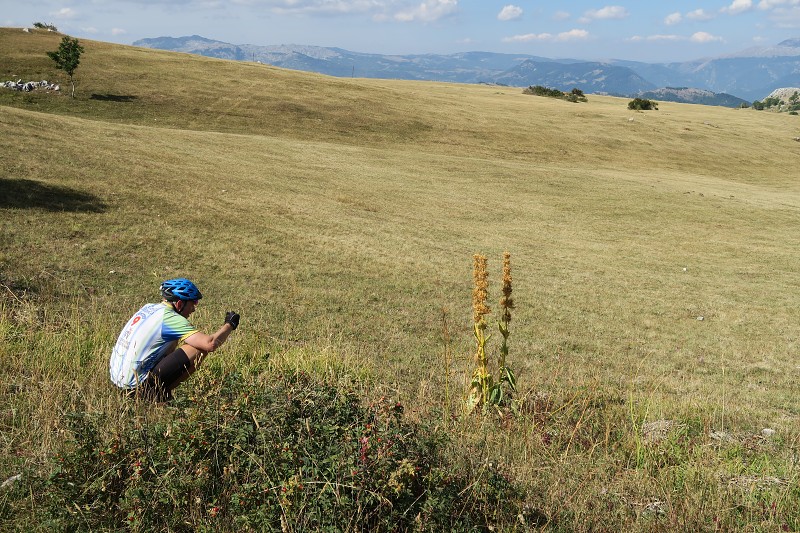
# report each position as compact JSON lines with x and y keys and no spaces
{"x":506,"y":301}
{"x":480,"y":293}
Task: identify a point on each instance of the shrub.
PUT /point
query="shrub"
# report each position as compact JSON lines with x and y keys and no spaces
{"x":292,"y":453}
{"x":576,"y":95}
{"x":43,"y":26}
{"x":642,"y":104}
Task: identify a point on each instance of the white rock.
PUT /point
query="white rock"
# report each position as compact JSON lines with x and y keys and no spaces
{"x":700,"y":318}
{"x":767,"y":432}
{"x":10,"y":481}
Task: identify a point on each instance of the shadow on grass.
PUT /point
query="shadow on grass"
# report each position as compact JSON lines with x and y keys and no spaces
{"x":113,"y":97}
{"x":29,"y":194}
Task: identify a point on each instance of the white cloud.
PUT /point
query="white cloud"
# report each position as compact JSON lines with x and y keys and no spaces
{"x":313,"y":6}
{"x":673,"y":18}
{"x":784,"y":13}
{"x":639,"y":38}
{"x":118,"y":31}
{"x":64,"y":13}
{"x":428,"y":11}
{"x":738,"y":6}
{"x":509,"y":12}
{"x":572,"y":35}
{"x":699,"y":37}
{"x":704,"y":37}
{"x":90,"y":29}
{"x":699,"y":14}
{"x":608,"y":12}
{"x":561,"y":15}
{"x":770,"y":4}
{"x":786,"y":17}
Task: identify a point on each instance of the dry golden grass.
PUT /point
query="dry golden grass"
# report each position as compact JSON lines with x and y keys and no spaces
{"x":341,"y":215}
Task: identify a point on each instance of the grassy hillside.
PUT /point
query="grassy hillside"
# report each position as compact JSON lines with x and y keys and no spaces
{"x":654,"y":255}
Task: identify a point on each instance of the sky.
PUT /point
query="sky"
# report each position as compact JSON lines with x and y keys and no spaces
{"x":644,"y":30}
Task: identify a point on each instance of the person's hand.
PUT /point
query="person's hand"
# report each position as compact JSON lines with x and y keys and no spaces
{"x":232,"y":318}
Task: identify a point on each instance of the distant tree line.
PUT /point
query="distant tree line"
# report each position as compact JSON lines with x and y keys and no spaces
{"x":576,"y":95}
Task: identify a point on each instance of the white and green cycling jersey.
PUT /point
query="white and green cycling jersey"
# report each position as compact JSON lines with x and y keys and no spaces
{"x":153,"y":332}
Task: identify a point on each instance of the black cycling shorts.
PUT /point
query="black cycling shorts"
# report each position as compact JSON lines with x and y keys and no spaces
{"x":163,"y":377}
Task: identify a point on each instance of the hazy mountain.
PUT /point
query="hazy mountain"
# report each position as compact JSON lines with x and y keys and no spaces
{"x":589,"y":77}
{"x":195,"y":44}
{"x":750,"y":74}
{"x":692,"y":96}
{"x":469,"y":67}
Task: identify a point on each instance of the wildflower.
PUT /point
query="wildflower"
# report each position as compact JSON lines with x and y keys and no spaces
{"x":480,"y":292}
{"x":506,"y":301}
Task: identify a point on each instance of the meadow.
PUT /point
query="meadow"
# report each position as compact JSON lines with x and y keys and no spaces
{"x":654,"y":258}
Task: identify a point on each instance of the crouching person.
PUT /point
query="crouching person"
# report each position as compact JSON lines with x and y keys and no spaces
{"x":159,"y":348}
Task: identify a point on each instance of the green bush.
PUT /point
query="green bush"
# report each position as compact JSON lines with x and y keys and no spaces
{"x":642,"y":104}
{"x":576,"y":95}
{"x":43,"y":26}
{"x":245,"y":456}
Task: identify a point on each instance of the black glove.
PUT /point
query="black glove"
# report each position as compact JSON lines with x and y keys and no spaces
{"x":232,"y":318}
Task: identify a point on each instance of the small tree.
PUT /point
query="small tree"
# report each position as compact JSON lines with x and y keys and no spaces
{"x":67,"y":58}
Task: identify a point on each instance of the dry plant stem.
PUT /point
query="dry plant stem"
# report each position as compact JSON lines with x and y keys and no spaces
{"x":480,"y":309}
{"x":506,"y":305}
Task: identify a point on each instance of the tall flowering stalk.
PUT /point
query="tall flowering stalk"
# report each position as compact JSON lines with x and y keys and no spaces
{"x":506,"y":305}
{"x":481,"y":378}
{"x":484,"y":391}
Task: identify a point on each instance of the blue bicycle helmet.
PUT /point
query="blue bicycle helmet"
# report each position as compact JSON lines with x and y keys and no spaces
{"x":176,"y":289}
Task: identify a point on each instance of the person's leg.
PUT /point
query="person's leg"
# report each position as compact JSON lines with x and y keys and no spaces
{"x":172,"y":370}
{"x":195,"y":358}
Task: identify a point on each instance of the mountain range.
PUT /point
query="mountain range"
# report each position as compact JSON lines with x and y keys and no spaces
{"x":729,"y":80}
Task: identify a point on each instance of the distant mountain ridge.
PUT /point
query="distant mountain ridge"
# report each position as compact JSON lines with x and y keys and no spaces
{"x":727,"y":80}
{"x":589,"y":77}
{"x":692,"y":96}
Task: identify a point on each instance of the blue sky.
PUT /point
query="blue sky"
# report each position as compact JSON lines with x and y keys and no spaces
{"x":644,"y":30}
